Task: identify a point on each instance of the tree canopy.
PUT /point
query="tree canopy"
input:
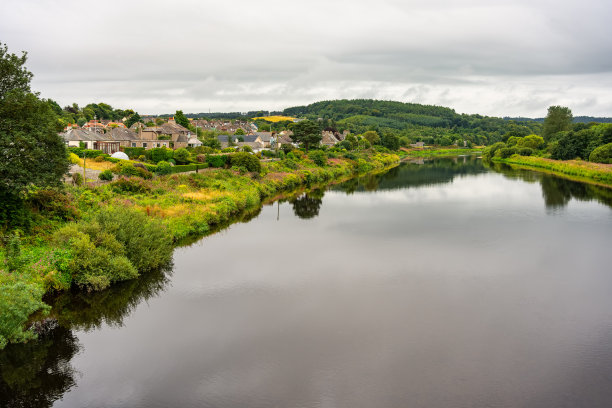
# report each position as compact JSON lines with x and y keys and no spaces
{"x":558,"y":119}
{"x":307,"y":133}
{"x":31,"y":151}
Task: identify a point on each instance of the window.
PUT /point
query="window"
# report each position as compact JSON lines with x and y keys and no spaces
{"x":144,"y":145}
{"x":133,"y":144}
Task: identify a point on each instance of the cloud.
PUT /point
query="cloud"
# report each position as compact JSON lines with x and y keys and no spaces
{"x":497,"y":58}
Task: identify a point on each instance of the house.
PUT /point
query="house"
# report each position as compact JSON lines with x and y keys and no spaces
{"x":265,"y":137}
{"x":194,"y":142}
{"x":328,"y":139}
{"x":125,"y":137}
{"x":418,"y":144}
{"x":166,"y":135}
{"x":91,"y":140}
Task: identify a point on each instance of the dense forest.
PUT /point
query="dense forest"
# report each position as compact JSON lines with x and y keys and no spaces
{"x":428,"y":123}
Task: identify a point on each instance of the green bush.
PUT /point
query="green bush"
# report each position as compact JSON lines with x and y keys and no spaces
{"x":318,"y":157}
{"x":77,"y":179}
{"x":490,"y":151}
{"x":505,"y":152}
{"x":246,"y":160}
{"x":290,"y":164}
{"x":53,"y":204}
{"x":602,"y":154}
{"x":130,"y":185}
{"x":163,"y":167}
{"x":106,"y":175}
{"x":181,"y":156}
{"x":525,"y":151}
{"x":147,"y":242}
{"x":216,"y":160}
{"x":247,"y":148}
{"x":18,"y":300}
{"x":135,"y":151}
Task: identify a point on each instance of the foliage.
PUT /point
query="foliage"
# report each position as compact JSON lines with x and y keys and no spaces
{"x":239,"y":132}
{"x":106,"y":175}
{"x":181,"y":156}
{"x":306,"y":133}
{"x":318,"y":157}
{"x":163,"y":167}
{"x":372,"y":137}
{"x":558,"y":119}
{"x":130,"y":185}
{"x":247,"y":148}
{"x":489,"y":152}
{"x":181,"y":119}
{"x":506,"y":152}
{"x":13,"y":74}
{"x":18,"y":299}
{"x":602,"y":154}
{"x":134,"y":118}
{"x":133,"y":152}
{"x":532,"y":141}
{"x":246,"y":160}
{"x":216,"y":160}
{"x":158,"y":154}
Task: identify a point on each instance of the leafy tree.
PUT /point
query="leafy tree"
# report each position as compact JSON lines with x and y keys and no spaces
{"x":307,"y":133}
{"x":372,"y":137}
{"x":31,"y":151}
{"x":239,"y":132}
{"x":135,"y":118}
{"x":13,"y":74}
{"x":558,"y":119}
{"x":532,"y":141}
{"x":390,"y":141}
{"x":181,"y":119}
{"x":603,"y":154}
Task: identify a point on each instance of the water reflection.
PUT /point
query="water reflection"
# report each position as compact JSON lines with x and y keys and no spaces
{"x":307,"y":205}
{"x":38,"y":373}
{"x":556,"y":191}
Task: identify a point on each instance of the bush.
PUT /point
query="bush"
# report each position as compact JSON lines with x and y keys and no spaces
{"x":106,"y":175}
{"x":290,"y":164}
{"x":525,"y":151}
{"x":246,"y":160}
{"x":163,"y":167}
{"x":54,"y":204}
{"x":505,"y":152}
{"x":181,"y":156}
{"x":135,"y":152}
{"x":491,"y":151}
{"x":77,"y":179}
{"x":318,"y":157}
{"x":216,"y":160}
{"x":130,"y":185}
{"x":247,"y":148}
{"x":602,"y":154}
{"x":18,"y":300}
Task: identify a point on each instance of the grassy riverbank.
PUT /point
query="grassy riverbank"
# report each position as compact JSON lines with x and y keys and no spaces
{"x":94,"y":235}
{"x":436,"y":152}
{"x":575,"y":169}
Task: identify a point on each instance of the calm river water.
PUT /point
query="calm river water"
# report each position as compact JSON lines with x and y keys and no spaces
{"x":440,"y":284}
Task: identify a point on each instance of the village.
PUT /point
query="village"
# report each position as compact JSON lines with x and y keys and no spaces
{"x":113,"y":136}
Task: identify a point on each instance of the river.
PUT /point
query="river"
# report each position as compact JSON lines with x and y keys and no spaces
{"x":442,"y":283}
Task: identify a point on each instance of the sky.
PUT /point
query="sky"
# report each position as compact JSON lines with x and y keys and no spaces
{"x":492,"y":57}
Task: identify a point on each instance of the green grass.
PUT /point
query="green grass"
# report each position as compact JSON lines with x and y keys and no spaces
{"x":576,"y":169}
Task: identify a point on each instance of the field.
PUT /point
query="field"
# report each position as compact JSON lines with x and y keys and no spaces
{"x":276,"y":118}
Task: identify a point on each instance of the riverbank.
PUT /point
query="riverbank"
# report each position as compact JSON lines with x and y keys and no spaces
{"x":87,"y":235}
{"x":436,"y":152}
{"x":578,"y":170}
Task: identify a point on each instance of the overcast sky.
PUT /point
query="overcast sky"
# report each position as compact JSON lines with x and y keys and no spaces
{"x":494,"y":57}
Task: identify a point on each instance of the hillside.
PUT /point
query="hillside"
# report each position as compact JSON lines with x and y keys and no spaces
{"x":415,"y":121}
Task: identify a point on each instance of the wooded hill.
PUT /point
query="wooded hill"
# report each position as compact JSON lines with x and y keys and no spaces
{"x":415,"y":121}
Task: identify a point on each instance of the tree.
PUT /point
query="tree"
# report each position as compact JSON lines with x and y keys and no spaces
{"x":307,"y":133}
{"x":239,"y":132}
{"x":13,"y":74}
{"x":135,"y":118}
{"x":390,"y":141}
{"x":31,"y":151}
{"x":558,"y":119}
{"x":372,"y":137}
{"x":181,"y":119}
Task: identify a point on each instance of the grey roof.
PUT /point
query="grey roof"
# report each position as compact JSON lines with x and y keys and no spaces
{"x":265,"y":136}
{"x":252,"y":138}
{"x":82,"y":135}
{"x":121,"y":134}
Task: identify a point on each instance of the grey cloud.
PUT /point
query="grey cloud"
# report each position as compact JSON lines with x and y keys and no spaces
{"x":498,"y":58}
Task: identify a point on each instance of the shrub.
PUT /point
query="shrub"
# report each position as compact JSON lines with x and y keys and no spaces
{"x":247,"y":149}
{"x":287,"y":147}
{"x":228,"y":150}
{"x":74,"y":159}
{"x":99,"y":159}
{"x":18,"y":300}
{"x":246,"y":160}
{"x":147,"y":242}
{"x":318,"y":157}
{"x":163,"y":167}
{"x":290,"y":164}
{"x":130,"y":185}
{"x":602,"y":154}
{"x":201,"y":158}
{"x":532,"y":141}
{"x":491,"y":151}
{"x":505,"y":152}
{"x":53,"y":203}
{"x":216,"y":160}
{"x":77,"y":179}
{"x":181,"y":156}
{"x":106,"y":175}
{"x":525,"y":151}
{"x":135,"y":152}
